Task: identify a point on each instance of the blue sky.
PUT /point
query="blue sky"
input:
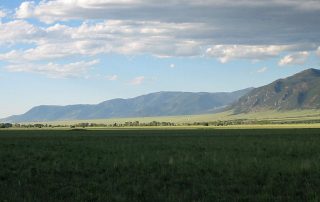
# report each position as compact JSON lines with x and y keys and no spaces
{"x":58,"y":52}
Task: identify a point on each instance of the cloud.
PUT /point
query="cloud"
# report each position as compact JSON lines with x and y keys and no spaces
{"x":2,"y":14}
{"x":160,"y":39}
{"x":294,"y":59}
{"x":214,"y":28}
{"x":262,"y":70}
{"x":52,"y":70}
{"x":112,"y":77}
{"x":25,"y":10}
{"x":226,"y":53}
{"x":172,"y":65}
{"x":279,"y":21}
{"x":55,"y":10}
{"x":318,"y":51}
{"x":19,"y":31}
{"x":51,"y":51}
{"x":137,"y":81}
{"x":122,"y":37}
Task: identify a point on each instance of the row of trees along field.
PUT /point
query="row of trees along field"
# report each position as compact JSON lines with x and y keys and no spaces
{"x":6,"y":125}
{"x":156,"y":123}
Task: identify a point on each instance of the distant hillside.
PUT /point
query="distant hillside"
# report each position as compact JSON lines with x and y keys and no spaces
{"x":154,"y":104}
{"x":300,"y":91}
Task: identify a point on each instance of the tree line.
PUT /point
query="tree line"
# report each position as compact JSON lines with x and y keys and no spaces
{"x":157,"y":123}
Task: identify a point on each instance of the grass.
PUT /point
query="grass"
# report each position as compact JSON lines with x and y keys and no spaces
{"x":160,"y":165}
{"x":281,"y":116}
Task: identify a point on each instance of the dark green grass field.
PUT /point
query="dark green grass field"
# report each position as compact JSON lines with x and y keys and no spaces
{"x":160,"y":165}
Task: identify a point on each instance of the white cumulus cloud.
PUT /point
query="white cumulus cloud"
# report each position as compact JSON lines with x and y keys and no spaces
{"x":112,"y":77}
{"x":19,"y":31}
{"x":2,"y":14}
{"x":53,"y":70}
{"x":123,"y":37}
{"x":226,"y":53}
{"x":138,"y":80}
{"x":26,"y":10}
{"x":294,"y":59}
{"x":262,"y":70}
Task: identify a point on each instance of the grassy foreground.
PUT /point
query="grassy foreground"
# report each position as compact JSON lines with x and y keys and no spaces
{"x":160,"y":165}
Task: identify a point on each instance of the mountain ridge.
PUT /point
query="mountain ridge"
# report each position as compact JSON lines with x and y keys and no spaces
{"x":299,"y":91}
{"x":164,"y":103}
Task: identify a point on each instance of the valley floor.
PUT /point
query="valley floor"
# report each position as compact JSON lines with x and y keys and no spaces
{"x":265,"y":117}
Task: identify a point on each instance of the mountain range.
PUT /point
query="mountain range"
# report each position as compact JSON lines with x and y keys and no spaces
{"x":300,"y":91}
{"x":154,"y":104}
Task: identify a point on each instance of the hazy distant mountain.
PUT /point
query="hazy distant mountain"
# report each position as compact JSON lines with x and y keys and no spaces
{"x":154,"y":104}
{"x":300,"y":91}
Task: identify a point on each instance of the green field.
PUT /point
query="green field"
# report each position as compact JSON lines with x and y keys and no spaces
{"x":160,"y":165}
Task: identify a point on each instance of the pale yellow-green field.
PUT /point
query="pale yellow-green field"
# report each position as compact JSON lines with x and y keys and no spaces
{"x":296,"y":115}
